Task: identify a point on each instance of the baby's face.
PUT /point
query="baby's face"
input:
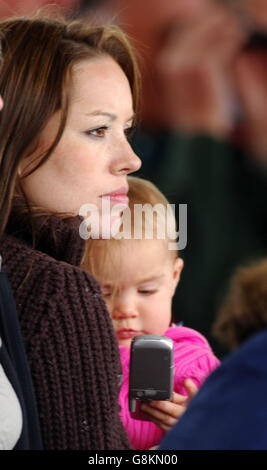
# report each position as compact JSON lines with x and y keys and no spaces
{"x":138,"y":288}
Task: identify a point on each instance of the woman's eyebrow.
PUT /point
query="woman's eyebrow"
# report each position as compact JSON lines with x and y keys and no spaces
{"x":111,"y":116}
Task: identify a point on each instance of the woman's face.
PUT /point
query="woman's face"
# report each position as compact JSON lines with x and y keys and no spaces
{"x":93,"y":156}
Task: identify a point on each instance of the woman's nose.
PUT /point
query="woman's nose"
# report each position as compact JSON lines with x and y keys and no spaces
{"x":126,"y":161}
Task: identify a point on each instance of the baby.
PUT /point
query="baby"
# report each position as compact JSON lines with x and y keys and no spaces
{"x":138,"y":277}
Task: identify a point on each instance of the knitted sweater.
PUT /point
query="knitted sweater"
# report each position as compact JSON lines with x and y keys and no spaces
{"x":68,"y":336}
{"x":193,"y":359}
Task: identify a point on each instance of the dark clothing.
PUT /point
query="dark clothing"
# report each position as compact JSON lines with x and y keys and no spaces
{"x":14,"y":362}
{"x":68,"y":335}
{"x":226,"y":194}
{"x":230,"y":410}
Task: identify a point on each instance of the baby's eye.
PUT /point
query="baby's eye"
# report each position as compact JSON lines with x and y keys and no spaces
{"x":99,"y":132}
{"x":147,"y":291}
{"x":106,"y":292}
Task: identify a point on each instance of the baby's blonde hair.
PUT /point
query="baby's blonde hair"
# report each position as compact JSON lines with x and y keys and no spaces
{"x":141,"y":192}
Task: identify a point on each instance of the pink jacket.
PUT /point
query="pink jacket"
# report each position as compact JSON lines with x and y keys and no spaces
{"x":193,"y":358}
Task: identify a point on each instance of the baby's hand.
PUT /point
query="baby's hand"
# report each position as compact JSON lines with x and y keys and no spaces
{"x":166,"y":413}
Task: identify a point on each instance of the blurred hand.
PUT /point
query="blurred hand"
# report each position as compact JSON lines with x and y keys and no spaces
{"x":256,"y":10}
{"x":195,"y":67}
{"x":166,"y":413}
{"x":251,"y":82}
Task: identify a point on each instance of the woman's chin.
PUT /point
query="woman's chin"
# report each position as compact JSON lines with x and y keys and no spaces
{"x":110,"y":230}
{"x":103,"y":227}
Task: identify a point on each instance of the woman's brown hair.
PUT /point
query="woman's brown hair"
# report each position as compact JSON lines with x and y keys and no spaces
{"x":38,"y":56}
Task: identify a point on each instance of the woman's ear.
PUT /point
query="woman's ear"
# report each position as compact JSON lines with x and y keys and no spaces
{"x":177,"y":269}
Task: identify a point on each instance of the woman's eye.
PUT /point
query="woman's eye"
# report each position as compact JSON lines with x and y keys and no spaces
{"x":129,"y":132}
{"x":99,"y":132}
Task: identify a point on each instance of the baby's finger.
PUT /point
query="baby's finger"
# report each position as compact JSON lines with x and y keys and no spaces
{"x":160,"y":417}
{"x":191,"y":388}
{"x":178,"y":399}
{"x":165,"y":409}
{"x":162,"y":426}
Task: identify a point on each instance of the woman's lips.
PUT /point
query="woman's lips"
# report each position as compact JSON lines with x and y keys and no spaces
{"x":117,"y":197}
{"x":128,"y":334}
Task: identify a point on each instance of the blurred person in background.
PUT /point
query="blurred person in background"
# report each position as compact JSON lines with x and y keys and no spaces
{"x":202,"y":135}
{"x":17,"y":7}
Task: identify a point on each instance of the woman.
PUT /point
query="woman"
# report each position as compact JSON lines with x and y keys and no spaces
{"x":71,"y":92}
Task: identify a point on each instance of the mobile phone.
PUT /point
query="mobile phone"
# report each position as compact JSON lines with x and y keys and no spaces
{"x":151,"y":371}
